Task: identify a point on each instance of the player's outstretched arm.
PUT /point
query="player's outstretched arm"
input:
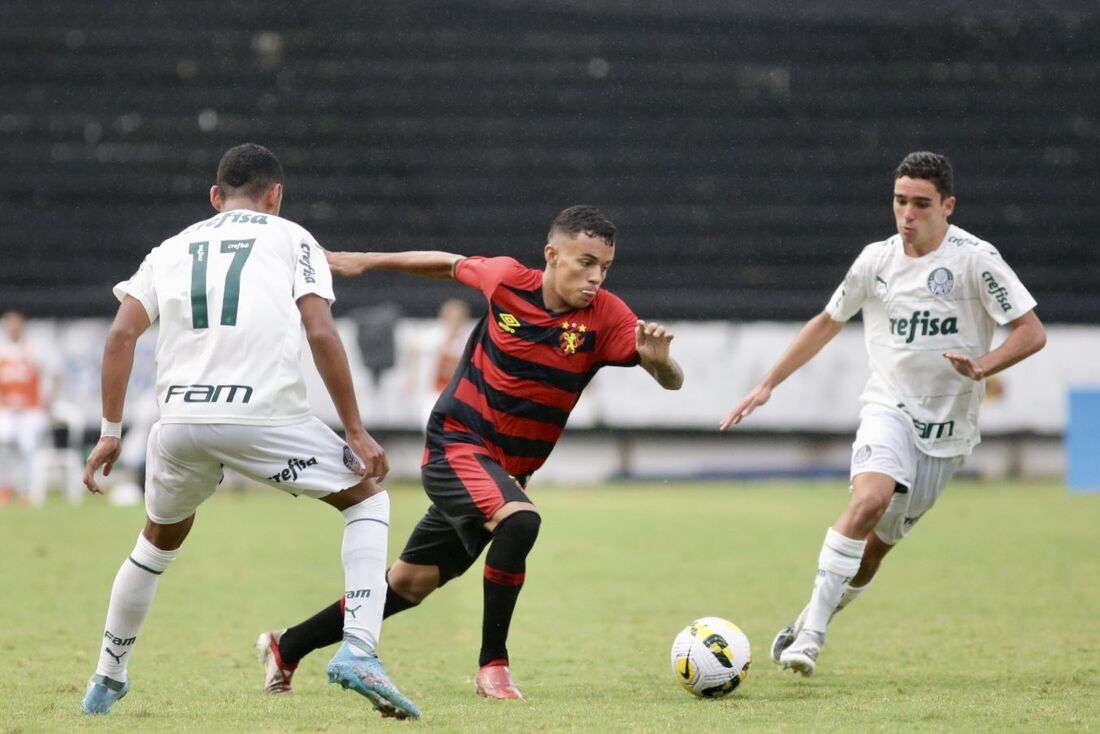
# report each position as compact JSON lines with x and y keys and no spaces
{"x":130,"y":322}
{"x":1028,"y":337}
{"x":425,"y":263}
{"x":814,"y":335}
{"x":652,"y":341}
{"x":332,"y":365}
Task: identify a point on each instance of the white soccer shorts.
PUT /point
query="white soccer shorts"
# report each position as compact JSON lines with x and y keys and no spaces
{"x":184,"y":462}
{"x":885,"y":444}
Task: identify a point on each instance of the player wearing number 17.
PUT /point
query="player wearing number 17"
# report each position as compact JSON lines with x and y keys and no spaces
{"x":232,"y":294}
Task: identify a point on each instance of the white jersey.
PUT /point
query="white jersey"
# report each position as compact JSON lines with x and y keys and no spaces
{"x":917,"y":308}
{"x":230,"y":340}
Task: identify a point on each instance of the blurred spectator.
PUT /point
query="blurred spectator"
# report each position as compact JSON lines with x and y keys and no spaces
{"x":434,"y":355}
{"x":454,"y":320}
{"x":24,"y":418}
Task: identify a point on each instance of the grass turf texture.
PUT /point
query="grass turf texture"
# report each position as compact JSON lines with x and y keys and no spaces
{"x":984,"y":620}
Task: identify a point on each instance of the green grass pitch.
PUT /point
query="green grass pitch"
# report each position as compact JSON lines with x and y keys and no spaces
{"x":985,"y":619}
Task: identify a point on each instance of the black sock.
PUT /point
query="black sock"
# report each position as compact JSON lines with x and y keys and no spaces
{"x":323,"y":628}
{"x":396,"y":603}
{"x":505,"y":567}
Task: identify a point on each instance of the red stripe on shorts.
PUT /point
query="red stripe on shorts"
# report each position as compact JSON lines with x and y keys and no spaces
{"x":483,"y":489}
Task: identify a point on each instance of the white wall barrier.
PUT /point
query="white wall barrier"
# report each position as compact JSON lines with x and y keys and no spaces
{"x":721,"y":361}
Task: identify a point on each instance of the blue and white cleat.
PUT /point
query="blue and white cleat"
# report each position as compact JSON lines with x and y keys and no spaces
{"x":101,"y":695}
{"x":357,"y":667}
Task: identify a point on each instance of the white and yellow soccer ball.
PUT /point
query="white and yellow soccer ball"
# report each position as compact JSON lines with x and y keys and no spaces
{"x":711,"y":657}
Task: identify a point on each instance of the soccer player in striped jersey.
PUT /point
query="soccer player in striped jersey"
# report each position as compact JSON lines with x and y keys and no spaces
{"x":545,"y":335}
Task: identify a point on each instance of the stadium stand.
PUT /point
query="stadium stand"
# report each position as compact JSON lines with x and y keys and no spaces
{"x":744,"y":154}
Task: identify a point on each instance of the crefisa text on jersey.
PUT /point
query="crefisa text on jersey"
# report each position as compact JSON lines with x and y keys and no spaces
{"x":307,"y":266}
{"x":923,"y":324}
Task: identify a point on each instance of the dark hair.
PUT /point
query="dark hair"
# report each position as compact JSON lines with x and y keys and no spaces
{"x":587,"y":219}
{"x":248,"y":170}
{"x":929,"y":166}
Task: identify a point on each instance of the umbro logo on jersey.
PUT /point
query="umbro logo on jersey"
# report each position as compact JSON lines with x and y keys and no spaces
{"x":508,"y":322}
{"x":208,"y":393}
{"x":922,"y":323}
{"x":996,"y":290}
{"x":293,"y":468}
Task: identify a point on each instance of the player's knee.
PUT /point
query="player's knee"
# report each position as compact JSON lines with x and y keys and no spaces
{"x":412,"y":583}
{"x":868,"y":506}
{"x":520,"y":528}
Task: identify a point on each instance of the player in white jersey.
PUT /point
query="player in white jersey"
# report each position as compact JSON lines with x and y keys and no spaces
{"x":931,"y":298}
{"x":232,"y":294}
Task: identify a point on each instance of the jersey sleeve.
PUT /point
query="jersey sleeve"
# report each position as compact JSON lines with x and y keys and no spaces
{"x":141,"y":286}
{"x":486,"y":273}
{"x":620,"y":346}
{"x":851,"y":294}
{"x":311,"y":271}
{"x":1003,"y":296}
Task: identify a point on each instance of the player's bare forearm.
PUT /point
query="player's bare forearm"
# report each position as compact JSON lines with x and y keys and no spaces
{"x":130,"y":322}
{"x":1027,"y":337}
{"x":425,"y":263}
{"x":668,"y":375}
{"x":811,"y":339}
{"x":332,"y":365}
{"x":814,"y":335}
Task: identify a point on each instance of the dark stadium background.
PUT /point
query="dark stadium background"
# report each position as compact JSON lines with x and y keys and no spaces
{"x":744,"y":152}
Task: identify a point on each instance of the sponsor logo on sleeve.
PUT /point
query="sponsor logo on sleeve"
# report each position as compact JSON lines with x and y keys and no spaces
{"x":308,"y":273}
{"x":996,"y":290}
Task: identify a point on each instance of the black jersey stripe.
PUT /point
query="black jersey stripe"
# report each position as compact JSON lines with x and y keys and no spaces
{"x":572,"y":382}
{"x":533,"y":297}
{"x":469,"y":416}
{"x":513,"y":404}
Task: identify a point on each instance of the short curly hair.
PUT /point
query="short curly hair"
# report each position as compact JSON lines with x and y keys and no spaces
{"x":248,"y":169}
{"x":931,"y":167}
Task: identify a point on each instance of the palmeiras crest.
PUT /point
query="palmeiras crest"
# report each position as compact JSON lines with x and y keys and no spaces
{"x":941,"y":282}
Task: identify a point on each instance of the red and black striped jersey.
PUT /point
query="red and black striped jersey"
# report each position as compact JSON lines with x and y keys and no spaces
{"x":525,"y":366}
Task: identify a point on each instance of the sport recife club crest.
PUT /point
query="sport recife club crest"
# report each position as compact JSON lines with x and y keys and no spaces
{"x":572,"y":336}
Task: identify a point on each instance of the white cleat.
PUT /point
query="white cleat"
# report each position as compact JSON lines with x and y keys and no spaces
{"x":786,"y":636}
{"x":277,"y":674}
{"x":801,"y":656}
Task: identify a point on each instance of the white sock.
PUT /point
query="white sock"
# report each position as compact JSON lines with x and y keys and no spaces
{"x":851,"y":593}
{"x":366,"y":529}
{"x":131,"y":597}
{"x":837,"y":564}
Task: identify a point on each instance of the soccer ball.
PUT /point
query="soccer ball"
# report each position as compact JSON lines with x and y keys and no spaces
{"x":711,"y":657}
